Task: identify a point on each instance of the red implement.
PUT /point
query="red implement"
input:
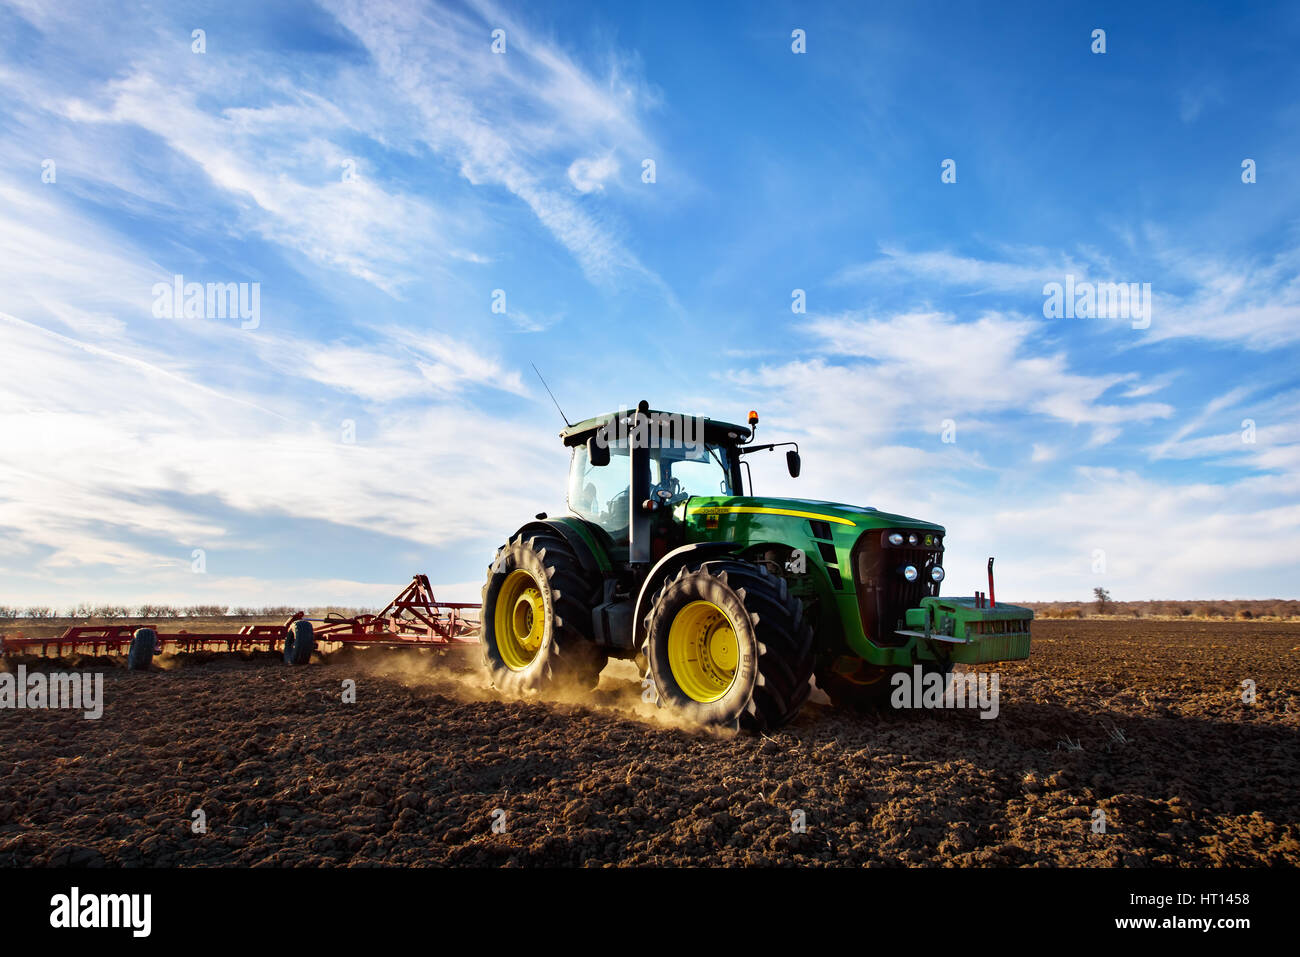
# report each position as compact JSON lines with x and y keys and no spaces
{"x":415,"y":617}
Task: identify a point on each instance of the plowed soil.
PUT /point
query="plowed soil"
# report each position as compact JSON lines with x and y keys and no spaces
{"x":1142,"y":721}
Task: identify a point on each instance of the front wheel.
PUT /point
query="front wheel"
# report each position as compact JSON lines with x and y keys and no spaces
{"x":726,"y":644}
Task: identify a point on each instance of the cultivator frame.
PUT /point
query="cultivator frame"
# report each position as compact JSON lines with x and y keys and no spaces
{"x":415,"y":618}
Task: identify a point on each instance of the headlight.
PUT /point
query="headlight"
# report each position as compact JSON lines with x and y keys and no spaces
{"x":936,"y":573}
{"x":895,"y":538}
{"x":909,"y":572}
{"x":912,"y":539}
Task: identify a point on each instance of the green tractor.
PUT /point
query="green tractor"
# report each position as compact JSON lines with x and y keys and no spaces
{"x":729,"y":603}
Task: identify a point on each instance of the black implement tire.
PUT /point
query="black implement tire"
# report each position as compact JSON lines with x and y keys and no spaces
{"x":542,"y":637}
{"x":871,"y":686}
{"x":773,"y":646}
{"x":299,"y":643}
{"x":143,"y":645}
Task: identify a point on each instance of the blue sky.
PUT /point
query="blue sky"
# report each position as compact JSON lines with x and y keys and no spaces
{"x":379,"y":172}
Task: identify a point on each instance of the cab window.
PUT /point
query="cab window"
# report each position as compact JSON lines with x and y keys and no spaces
{"x":684,"y":472}
{"x":600,"y":494}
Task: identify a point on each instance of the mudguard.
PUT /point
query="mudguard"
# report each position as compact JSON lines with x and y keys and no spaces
{"x":585,"y":545}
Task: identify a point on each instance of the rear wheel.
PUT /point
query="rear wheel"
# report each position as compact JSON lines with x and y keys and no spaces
{"x":726,"y":644}
{"x":536,"y":629}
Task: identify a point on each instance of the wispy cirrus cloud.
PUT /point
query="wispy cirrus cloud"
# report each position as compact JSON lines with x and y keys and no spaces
{"x":1029,"y":269}
{"x":531,"y":121}
{"x":1253,"y":302}
{"x":278,"y":165}
{"x":508,"y":119}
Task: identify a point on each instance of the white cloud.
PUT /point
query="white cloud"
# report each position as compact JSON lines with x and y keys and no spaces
{"x":49,"y":254}
{"x":589,"y":174}
{"x":962,"y":368}
{"x":1043,"y":453}
{"x":139,"y":452}
{"x":507,"y":118}
{"x":945,"y":267}
{"x":298,"y":197}
{"x":1251,"y":302}
{"x":423,"y":366}
{"x":868,"y":382}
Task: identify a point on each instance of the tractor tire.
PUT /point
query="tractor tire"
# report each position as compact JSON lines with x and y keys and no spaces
{"x":299,"y":643}
{"x":727,"y":645}
{"x":144,"y":643}
{"x":536,"y":621}
{"x":870,"y":687}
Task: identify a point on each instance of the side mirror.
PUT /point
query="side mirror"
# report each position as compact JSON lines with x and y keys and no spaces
{"x":792,"y":463}
{"x":597,"y":452}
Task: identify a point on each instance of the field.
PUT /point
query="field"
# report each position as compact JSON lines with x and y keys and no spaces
{"x":1269,"y":609}
{"x":1141,"y":720}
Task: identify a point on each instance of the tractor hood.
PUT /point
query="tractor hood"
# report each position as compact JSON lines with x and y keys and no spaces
{"x":764,"y":508}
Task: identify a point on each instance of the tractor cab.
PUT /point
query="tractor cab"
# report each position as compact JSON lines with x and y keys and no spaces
{"x":630,"y":471}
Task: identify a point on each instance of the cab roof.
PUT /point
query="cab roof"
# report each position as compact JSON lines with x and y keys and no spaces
{"x":715,"y":430}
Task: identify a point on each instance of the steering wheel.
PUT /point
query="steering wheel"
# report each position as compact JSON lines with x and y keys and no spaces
{"x":669,"y":492}
{"x":616,"y":508}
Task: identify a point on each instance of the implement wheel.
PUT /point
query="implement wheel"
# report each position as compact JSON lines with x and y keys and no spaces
{"x":536,"y":617}
{"x":299,"y":643}
{"x":727,"y":645}
{"x":144,"y":643}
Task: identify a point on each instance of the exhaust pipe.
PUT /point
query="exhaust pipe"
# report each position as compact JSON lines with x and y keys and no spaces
{"x":992,"y":600}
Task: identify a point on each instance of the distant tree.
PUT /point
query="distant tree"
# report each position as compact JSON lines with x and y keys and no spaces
{"x":1103,"y":599}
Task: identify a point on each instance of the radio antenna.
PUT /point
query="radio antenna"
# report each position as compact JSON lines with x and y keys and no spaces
{"x":552,"y":395}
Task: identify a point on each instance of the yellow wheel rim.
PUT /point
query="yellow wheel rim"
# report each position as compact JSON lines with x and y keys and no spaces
{"x":703,"y":651}
{"x":519,"y":620}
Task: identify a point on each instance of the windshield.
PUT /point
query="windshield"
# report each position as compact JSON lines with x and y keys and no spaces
{"x":683,"y":471}
{"x":600,"y":494}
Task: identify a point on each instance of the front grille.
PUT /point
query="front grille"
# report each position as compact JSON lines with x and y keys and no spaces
{"x":884,"y":595}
